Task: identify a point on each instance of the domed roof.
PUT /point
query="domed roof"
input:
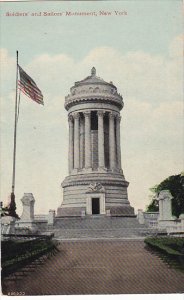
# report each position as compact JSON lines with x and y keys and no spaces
{"x":93,"y":89}
{"x":92,"y":79}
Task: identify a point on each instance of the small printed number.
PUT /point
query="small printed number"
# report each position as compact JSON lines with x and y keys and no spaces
{"x":16,"y":293}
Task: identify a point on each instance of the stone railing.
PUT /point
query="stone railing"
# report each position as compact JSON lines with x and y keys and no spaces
{"x":175,"y":226}
{"x":40,"y":217}
{"x":148,"y":218}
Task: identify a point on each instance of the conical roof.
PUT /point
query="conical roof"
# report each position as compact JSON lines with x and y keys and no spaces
{"x":92,"y":79}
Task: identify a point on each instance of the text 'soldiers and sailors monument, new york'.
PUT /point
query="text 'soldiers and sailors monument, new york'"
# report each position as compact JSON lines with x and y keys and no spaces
{"x":96,"y":184}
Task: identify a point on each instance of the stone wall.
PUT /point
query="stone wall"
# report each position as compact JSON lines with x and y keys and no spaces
{"x":150,"y":219}
{"x":163,"y":220}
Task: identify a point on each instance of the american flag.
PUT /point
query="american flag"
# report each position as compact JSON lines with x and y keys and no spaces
{"x":29,"y":88}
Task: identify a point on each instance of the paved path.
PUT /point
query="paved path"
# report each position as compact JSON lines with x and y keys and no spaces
{"x":101,"y":267}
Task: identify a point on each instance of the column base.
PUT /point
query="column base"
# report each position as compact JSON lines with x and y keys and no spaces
{"x":102,"y":169}
{"x":87,"y":170}
{"x":114,"y":170}
{"x":120,"y":171}
{"x":74,"y":171}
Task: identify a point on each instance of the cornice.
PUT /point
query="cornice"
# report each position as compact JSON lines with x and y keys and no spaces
{"x":86,"y":182}
{"x":112,"y":99}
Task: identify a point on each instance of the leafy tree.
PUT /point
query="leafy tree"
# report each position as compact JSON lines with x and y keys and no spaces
{"x":175,"y":184}
{"x":153,"y":206}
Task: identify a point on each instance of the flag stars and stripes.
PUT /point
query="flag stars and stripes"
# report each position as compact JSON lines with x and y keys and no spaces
{"x":27,"y":85}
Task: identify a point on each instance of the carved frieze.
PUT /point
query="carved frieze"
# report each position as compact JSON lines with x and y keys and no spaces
{"x":95,"y":188}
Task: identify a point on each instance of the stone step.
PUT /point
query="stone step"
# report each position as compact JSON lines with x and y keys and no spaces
{"x":80,"y":234}
{"x":99,"y":227}
{"x":96,"y":222}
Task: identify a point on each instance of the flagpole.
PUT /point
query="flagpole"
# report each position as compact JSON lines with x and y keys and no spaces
{"x":12,"y":203}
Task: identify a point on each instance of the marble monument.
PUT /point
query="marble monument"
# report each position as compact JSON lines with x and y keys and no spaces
{"x":96,"y":184}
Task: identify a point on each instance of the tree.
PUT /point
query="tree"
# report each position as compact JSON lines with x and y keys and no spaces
{"x":153,"y":206}
{"x":10,"y":209}
{"x":175,"y":184}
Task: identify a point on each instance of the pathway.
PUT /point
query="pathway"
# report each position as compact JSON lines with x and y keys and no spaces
{"x":100,"y":267}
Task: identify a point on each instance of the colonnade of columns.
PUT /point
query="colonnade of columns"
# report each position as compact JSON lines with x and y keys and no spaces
{"x":74,"y":140}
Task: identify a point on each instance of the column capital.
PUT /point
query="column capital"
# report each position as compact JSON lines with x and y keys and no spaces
{"x":100,"y":113}
{"x":76,"y":115}
{"x":70,"y":118}
{"x":118,"y":118}
{"x":112,"y":115}
{"x":87,"y":113}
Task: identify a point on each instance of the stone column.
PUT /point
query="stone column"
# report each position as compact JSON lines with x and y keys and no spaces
{"x":81,"y":143}
{"x":118,"y":119}
{"x":71,"y":140}
{"x":101,"y":161}
{"x":76,"y":140}
{"x":87,"y":116}
{"x":112,"y":156}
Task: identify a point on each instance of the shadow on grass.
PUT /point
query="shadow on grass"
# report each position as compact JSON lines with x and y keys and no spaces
{"x":169,"y":249}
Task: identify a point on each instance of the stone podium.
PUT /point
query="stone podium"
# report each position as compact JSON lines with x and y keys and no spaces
{"x":165,"y":209}
{"x":8,"y":225}
{"x":27,"y":218}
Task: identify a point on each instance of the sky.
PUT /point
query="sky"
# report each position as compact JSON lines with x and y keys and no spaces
{"x":137,"y":45}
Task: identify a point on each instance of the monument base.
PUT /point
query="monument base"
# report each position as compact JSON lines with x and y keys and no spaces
{"x":26,"y":226}
{"x":95,"y":194}
{"x":8,"y":225}
{"x":121,"y":211}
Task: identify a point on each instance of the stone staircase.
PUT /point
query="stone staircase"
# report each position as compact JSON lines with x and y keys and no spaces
{"x":100,"y":227}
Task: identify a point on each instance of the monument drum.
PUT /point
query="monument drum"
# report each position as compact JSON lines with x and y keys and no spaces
{"x":96,"y":184}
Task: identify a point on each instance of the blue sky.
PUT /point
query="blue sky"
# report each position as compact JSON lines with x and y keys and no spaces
{"x":141,"y":52}
{"x":149,"y":26}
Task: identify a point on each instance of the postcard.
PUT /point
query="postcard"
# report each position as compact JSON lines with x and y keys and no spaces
{"x":92,"y":142}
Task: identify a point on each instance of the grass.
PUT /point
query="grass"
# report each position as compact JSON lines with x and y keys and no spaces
{"x":18,"y":253}
{"x":171,"y":249}
{"x":171,"y":245}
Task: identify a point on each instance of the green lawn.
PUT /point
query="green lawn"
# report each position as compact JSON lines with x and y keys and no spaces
{"x":17,"y":253}
{"x":170,"y":248}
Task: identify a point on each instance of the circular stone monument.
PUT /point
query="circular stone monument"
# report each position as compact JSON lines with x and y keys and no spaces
{"x":96,"y":184}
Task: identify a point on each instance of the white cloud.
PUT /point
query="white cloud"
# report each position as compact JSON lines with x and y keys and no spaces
{"x":152,"y":121}
{"x":8,"y":71}
{"x":176,"y":47}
